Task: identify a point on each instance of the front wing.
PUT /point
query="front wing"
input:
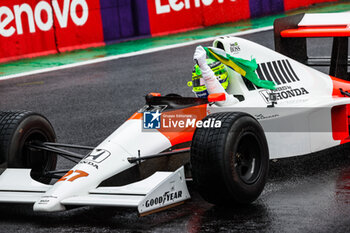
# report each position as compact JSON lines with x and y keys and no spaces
{"x":159,"y":191}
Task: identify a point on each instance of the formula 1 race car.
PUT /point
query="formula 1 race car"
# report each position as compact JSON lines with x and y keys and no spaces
{"x":226,"y":150}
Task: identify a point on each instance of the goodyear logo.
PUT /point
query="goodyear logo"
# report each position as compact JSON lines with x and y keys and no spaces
{"x":166,"y":197}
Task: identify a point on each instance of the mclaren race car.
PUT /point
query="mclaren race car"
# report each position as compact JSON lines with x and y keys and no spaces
{"x":225,"y":150}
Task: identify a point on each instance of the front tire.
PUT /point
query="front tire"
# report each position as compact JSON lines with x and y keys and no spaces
{"x":230,"y":163}
{"x":17,"y":129}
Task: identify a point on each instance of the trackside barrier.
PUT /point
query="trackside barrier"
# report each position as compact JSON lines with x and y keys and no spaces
{"x":82,"y":29}
{"x":170,"y":16}
{"x":265,"y":7}
{"x":30,"y":28}
{"x":124,"y":19}
{"x":22,"y":32}
{"x":293,"y":4}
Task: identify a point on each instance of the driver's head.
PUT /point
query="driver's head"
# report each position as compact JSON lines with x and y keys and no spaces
{"x":197,"y":82}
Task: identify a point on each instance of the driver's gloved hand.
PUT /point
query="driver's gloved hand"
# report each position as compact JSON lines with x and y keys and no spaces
{"x":211,"y":82}
{"x":199,"y":57}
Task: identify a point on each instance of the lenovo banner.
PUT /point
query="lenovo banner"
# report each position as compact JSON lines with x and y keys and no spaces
{"x":167,"y":16}
{"x":78,"y":24}
{"x":37,"y":27}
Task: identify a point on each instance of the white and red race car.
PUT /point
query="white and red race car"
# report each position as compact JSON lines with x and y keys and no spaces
{"x":146,"y":162}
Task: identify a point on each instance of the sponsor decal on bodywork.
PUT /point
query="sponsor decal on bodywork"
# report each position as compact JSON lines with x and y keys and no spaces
{"x":165,"y":198}
{"x":98,"y":155}
{"x":235,"y":48}
{"x":265,"y":117}
{"x":95,"y":157}
{"x":89,"y":163}
{"x":282,"y":93}
{"x":46,"y":199}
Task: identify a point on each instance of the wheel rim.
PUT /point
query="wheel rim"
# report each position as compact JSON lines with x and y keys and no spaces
{"x":247,"y":159}
{"x":37,"y":160}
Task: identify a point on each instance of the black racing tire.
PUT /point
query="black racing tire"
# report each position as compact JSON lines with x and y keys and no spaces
{"x":17,"y":129}
{"x":230,"y":163}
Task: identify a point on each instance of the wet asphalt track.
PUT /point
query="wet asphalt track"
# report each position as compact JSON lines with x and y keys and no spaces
{"x":86,"y":104}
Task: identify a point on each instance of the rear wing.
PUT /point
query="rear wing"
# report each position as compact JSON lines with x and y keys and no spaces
{"x":291,"y":33}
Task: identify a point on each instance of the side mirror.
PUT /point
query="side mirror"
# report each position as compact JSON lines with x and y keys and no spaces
{"x":215,"y":97}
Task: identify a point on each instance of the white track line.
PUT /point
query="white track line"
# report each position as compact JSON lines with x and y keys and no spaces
{"x":146,"y":51}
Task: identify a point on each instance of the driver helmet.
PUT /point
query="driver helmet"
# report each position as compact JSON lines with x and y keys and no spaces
{"x":197,"y":82}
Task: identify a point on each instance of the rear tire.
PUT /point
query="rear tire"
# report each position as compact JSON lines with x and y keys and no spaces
{"x":230,"y":163}
{"x":17,"y":129}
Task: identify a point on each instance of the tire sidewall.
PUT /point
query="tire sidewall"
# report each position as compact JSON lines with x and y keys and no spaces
{"x":33,"y":123}
{"x":236,"y":187}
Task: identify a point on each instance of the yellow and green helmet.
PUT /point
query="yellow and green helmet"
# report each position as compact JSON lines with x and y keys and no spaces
{"x":197,"y":82}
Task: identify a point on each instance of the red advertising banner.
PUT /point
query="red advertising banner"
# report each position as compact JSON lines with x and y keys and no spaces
{"x":169,"y":16}
{"x":293,"y":4}
{"x":165,"y":18}
{"x":78,"y":24}
{"x":31,"y":28}
{"x":225,"y":11}
{"x":26,"y":28}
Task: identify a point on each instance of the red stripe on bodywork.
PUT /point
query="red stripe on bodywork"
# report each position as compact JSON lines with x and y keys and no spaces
{"x":340,"y":122}
{"x":136,"y":116}
{"x":343,"y":31}
{"x":177,"y":135}
{"x":340,"y":119}
{"x":337,"y":84}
